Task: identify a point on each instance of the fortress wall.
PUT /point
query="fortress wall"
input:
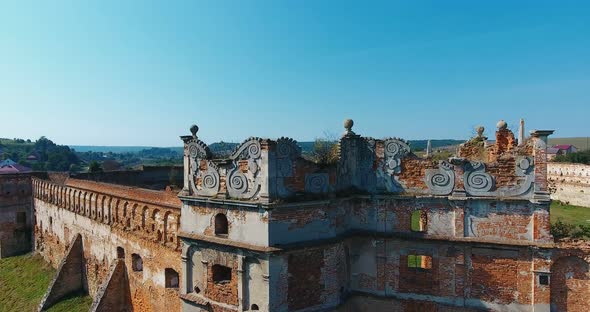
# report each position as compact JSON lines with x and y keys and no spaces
{"x":569,"y":183}
{"x":64,"y":211}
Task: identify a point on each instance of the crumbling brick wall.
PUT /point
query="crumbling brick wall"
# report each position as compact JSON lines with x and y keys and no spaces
{"x":16,"y":214}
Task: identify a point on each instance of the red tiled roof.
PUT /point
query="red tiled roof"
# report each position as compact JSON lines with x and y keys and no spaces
{"x":14,"y":168}
{"x":563,"y":146}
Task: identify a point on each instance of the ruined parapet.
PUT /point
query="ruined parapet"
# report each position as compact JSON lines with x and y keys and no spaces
{"x":264,"y":170}
{"x":474,"y":149}
{"x":259,"y":169}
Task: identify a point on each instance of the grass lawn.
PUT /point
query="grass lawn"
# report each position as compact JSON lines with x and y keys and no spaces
{"x":569,"y":214}
{"x":23,"y":282}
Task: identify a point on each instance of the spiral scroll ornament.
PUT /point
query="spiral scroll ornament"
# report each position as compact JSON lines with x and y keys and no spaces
{"x":391,"y":148}
{"x":480,"y":181}
{"x":441,"y":181}
{"x":193,"y":151}
{"x":198,"y":149}
{"x":476,"y":180}
{"x":249,"y":149}
{"x":209,"y":185}
{"x":254,"y":150}
{"x":394,"y":149}
{"x":316,"y":183}
{"x":237,"y":184}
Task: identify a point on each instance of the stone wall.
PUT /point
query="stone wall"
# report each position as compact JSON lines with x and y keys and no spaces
{"x":114,"y":222}
{"x":16,"y":214}
{"x":569,"y":183}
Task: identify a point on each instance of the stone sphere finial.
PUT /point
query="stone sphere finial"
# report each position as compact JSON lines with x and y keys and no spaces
{"x":194,"y":129}
{"x":501,"y":125}
{"x":348,"y":123}
{"x":480,"y":130}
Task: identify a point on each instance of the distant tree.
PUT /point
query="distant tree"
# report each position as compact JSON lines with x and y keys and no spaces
{"x":74,"y":168}
{"x":582,"y":157}
{"x":94,"y":167}
{"x":111,"y":165}
{"x":561,"y":230}
{"x":325,"y":151}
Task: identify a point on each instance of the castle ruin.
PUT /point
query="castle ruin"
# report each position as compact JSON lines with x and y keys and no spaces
{"x":265,"y":229}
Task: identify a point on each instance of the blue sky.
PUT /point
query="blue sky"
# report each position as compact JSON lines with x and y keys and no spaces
{"x":141,"y":72}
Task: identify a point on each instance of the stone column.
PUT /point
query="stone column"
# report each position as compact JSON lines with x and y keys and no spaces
{"x":540,"y":154}
{"x":521,"y":133}
{"x":241,"y":278}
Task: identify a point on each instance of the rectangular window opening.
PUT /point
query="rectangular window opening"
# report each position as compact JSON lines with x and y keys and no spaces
{"x":419,"y":262}
{"x":543,"y":279}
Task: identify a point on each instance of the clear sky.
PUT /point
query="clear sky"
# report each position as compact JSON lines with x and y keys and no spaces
{"x":141,"y":72}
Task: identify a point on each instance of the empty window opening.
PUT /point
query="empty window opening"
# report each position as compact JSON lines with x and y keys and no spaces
{"x":419,"y":262}
{"x":120,"y":253}
{"x":197,"y":289}
{"x":419,"y":221}
{"x":221,"y":274}
{"x":136,"y":263}
{"x":220,"y":224}
{"x":50,"y":222}
{"x":21,"y":217}
{"x":543,"y":279}
{"x":254,"y":307}
{"x":171,"y":278}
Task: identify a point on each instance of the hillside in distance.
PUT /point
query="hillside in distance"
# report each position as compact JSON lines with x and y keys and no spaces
{"x":582,"y":143}
{"x":225,"y":148}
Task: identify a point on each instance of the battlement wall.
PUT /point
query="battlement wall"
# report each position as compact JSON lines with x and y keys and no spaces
{"x":569,"y":183}
{"x":116,"y":222}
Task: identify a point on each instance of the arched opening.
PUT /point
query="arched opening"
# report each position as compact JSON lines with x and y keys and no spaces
{"x":171,"y":278}
{"x":221,"y":274}
{"x":120,"y":253}
{"x":254,"y":307}
{"x":221,"y":226}
{"x":136,"y":263}
{"x":569,"y":284}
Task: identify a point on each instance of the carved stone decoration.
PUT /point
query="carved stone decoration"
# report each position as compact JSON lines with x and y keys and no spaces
{"x":198,"y":149}
{"x":245,"y":185}
{"x":524,"y":165}
{"x":237,"y":184}
{"x":441,"y":181}
{"x":395,"y":149}
{"x":316,"y":183}
{"x":287,"y":150}
{"x":249,"y":149}
{"x":477,"y":182}
{"x":209,"y":180}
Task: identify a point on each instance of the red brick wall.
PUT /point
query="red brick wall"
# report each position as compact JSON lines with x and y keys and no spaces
{"x":305,"y":278}
{"x":570,"y":285}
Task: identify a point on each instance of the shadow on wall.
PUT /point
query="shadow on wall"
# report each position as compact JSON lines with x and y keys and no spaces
{"x":570,"y":285}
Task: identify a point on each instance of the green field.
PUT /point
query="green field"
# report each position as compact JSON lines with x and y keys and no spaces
{"x":582,"y":143}
{"x":569,"y":214}
{"x":23,"y":282}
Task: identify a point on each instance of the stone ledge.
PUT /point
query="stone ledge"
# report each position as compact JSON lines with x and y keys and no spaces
{"x":365,"y":234}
